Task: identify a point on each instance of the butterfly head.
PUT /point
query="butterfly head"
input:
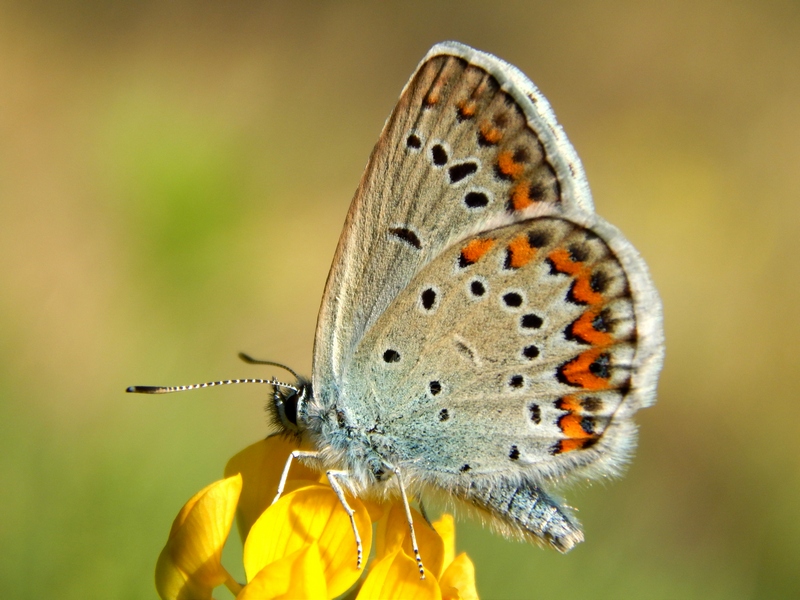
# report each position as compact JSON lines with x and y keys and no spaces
{"x":290,"y":405}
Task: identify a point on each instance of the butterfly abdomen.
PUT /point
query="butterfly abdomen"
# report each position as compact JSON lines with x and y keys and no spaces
{"x":522,"y":509}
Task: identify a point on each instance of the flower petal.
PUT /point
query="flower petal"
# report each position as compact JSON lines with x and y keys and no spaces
{"x":393,"y":532}
{"x":189,"y":565}
{"x":310,"y":514}
{"x":458,"y":580}
{"x":298,"y":575}
{"x":396,"y":576}
{"x":446,"y":528}
{"x":261,"y":465}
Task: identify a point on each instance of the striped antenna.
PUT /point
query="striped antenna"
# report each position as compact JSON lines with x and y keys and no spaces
{"x":155,"y":389}
{"x":255,"y":361}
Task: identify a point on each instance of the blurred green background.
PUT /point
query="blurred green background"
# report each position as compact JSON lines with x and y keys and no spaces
{"x":173,"y":180}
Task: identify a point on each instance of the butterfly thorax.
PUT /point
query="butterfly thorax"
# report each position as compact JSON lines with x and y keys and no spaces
{"x":361,"y":449}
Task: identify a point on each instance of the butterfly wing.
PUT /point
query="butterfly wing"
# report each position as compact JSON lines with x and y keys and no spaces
{"x":471,"y":145}
{"x":517,"y":356}
{"x":481,"y":325}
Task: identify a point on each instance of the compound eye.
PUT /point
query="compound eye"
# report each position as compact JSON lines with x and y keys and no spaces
{"x":290,"y":408}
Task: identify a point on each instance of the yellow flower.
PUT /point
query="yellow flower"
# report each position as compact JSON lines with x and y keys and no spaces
{"x":303,"y":545}
{"x":189,"y":566}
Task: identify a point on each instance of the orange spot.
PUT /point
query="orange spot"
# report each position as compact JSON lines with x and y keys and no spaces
{"x":563,"y":263}
{"x":582,"y":290}
{"x":584,"y":329}
{"x":569,"y":403}
{"x":577,"y":372}
{"x":570,"y":425}
{"x":475,"y":249}
{"x":520,"y":196}
{"x":490,"y":134}
{"x":520,"y":251}
{"x":434,"y":95}
{"x":467,"y":108}
{"x":570,"y":445}
{"x":508,"y":166}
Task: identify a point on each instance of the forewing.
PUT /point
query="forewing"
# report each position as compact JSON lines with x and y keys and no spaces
{"x":520,"y":352}
{"x":471,"y":145}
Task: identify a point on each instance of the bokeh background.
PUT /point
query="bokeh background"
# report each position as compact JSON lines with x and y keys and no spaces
{"x":173,"y":180}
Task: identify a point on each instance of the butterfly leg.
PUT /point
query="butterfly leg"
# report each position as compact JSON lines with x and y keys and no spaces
{"x":285,"y":474}
{"x":414,"y":545}
{"x":332,"y":476}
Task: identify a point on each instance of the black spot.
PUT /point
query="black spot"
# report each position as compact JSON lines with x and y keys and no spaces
{"x":521,"y":155}
{"x":536,"y":413}
{"x":513,"y":453}
{"x":591,"y":404}
{"x":444,"y":415}
{"x":601,"y":367}
{"x":439,"y":155}
{"x":530,"y":352}
{"x":460,"y":171}
{"x":589,"y":442}
{"x":500,"y":119}
{"x":435,"y":387}
{"x":476,"y":200}
{"x":406,"y":235}
{"x":428,"y":298}
{"x":555,"y":448}
{"x":391,"y":356}
{"x":587,"y":424}
{"x":602,"y":322}
{"x":536,"y":192}
{"x":512,"y":299}
{"x":538,"y":239}
{"x":578,"y":253}
{"x":413,"y":141}
{"x":516,"y":381}
{"x":477,"y":288}
{"x":507,"y":260}
{"x":465,"y":468}
{"x":531,"y":321}
{"x":599,"y":281}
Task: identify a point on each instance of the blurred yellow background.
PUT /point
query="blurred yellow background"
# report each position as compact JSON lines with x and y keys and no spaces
{"x":173,"y":181}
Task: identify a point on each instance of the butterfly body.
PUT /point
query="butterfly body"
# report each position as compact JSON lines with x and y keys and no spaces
{"x":483,"y":331}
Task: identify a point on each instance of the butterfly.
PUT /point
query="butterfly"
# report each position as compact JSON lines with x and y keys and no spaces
{"x":483,"y":333}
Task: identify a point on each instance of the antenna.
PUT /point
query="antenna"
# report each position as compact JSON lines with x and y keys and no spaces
{"x":254,"y":361}
{"x":157,"y":389}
